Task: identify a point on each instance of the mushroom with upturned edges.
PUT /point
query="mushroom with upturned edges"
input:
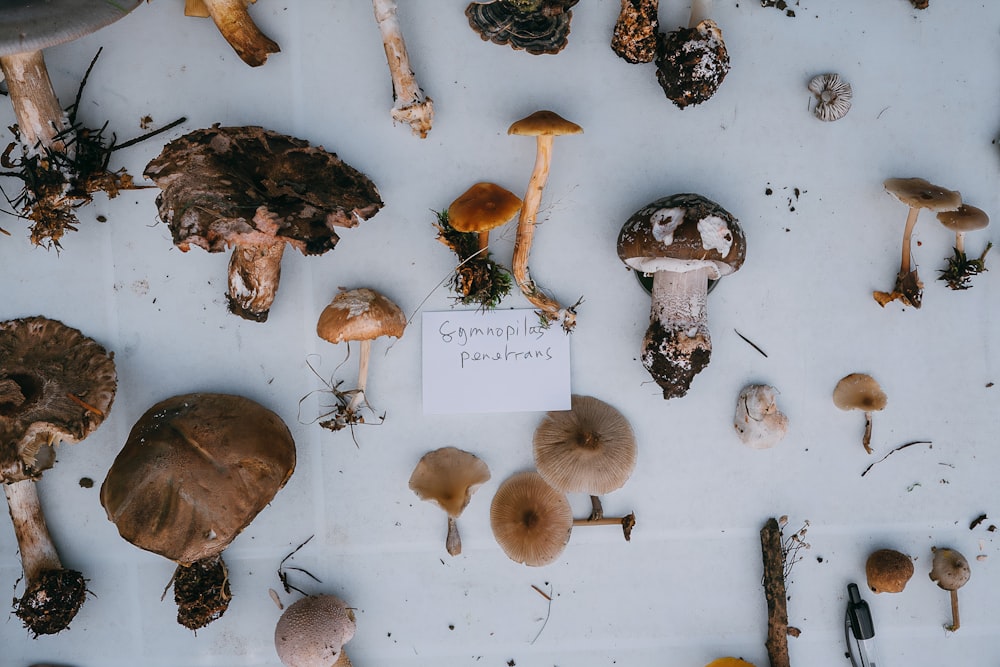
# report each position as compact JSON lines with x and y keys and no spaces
{"x":537,"y":26}
{"x":448,"y":477}
{"x":232,"y":18}
{"x":888,"y":571}
{"x":195,"y":471}
{"x":692,"y":62}
{"x":635,"y":35}
{"x":684,"y":240}
{"x":256,"y":190}
{"x":56,"y":385}
{"x":860,"y":391}
{"x":410,"y":106}
{"x":950,"y":571}
{"x":758,"y":421}
{"x":312,"y":632}
{"x":531,"y":521}
{"x":960,"y":269}
{"x":833,"y":96}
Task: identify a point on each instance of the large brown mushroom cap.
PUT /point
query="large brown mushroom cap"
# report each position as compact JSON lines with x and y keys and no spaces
{"x":920,"y":193}
{"x":448,"y":477}
{"x":888,"y":571}
{"x":194,"y":472}
{"x":28,"y":25}
{"x":544,"y":123}
{"x":312,"y":632}
{"x":531,"y":521}
{"x":360,"y":314}
{"x":949,"y":569}
{"x":589,"y":448}
{"x":537,"y":26}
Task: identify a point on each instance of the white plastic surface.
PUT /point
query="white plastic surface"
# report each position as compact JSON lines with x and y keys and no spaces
{"x":686,"y":589}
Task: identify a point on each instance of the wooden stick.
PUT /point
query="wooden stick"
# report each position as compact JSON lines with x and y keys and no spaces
{"x":774,"y":591}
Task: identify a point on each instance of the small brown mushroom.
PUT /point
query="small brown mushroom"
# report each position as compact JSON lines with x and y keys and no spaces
{"x":411,"y":105}
{"x":888,"y":571}
{"x":531,"y":521}
{"x":634,"y":37}
{"x":233,"y":20}
{"x":860,"y":391}
{"x":960,"y":268}
{"x":537,"y":26}
{"x":950,"y":571}
{"x":312,"y":632}
{"x":448,"y":477}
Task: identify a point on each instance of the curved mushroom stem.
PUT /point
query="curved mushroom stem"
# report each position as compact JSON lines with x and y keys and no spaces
{"x":254,"y":272}
{"x":411,"y":105}
{"x":453,"y":543}
{"x":627,"y":523}
{"x":40,"y":118}
{"x":866,"y":440}
{"x":234,"y":22}
{"x":359,"y":392}
{"x":52,"y":594}
{"x":677,"y":345}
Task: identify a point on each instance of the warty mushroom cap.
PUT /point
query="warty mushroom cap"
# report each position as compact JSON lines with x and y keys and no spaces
{"x":859,"y":391}
{"x":360,"y":314}
{"x":448,"y":477}
{"x":312,"y":632}
{"x":919,"y":193}
{"x":195,"y":471}
{"x":888,"y":570}
{"x":682,"y":232}
{"x":28,"y":25}
{"x":544,"y":122}
{"x":965,"y":218}
{"x":531,"y":521}
{"x":949,"y":569}
{"x":589,"y":448}
{"x":536,"y":26}
{"x":483,"y":207}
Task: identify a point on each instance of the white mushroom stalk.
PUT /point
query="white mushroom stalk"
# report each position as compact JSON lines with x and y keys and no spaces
{"x":411,"y":105}
{"x":41,"y":121}
{"x":678,"y":333}
{"x":236,"y":25}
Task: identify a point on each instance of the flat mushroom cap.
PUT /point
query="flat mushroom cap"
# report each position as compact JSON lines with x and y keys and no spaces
{"x":682,"y":232}
{"x":888,"y":570}
{"x":691,"y":63}
{"x":949,"y":569}
{"x":918,"y":193}
{"x":859,"y":391}
{"x":195,"y":471}
{"x":56,"y":385}
{"x":448,"y":477}
{"x":483,"y":207}
{"x":312,"y":632}
{"x":965,"y":218}
{"x":29,"y":25}
{"x":589,"y":448}
{"x":224,"y":186}
{"x":360,"y":314}
{"x":536,"y":26}
{"x":545,"y":123}
{"x":531,"y":521}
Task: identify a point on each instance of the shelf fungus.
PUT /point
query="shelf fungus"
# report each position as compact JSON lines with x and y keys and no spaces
{"x":448,"y":477}
{"x":692,"y":62}
{"x":833,"y":96}
{"x":256,"y":190}
{"x":960,"y":270}
{"x":684,"y":240}
{"x":536,"y":26}
{"x":56,"y":386}
{"x":635,"y":34}
{"x":232,"y":18}
{"x":410,"y":106}
{"x":195,"y":471}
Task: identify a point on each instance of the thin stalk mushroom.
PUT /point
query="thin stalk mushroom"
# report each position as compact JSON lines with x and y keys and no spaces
{"x":410,"y":106}
{"x":888,"y":571}
{"x":627,"y":523}
{"x":950,"y":571}
{"x":635,"y":35}
{"x":545,"y":126}
{"x":233,"y":20}
{"x":692,"y":62}
{"x":917,"y":194}
{"x":531,"y":521}
{"x":312,"y":632}
{"x":56,"y":385}
{"x":536,"y":26}
{"x":684,"y":240}
{"x":960,"y":269}
{"x":448,"y":477}
{"x":195,"y":471}
{"x":860,"y":391}
{"x":758,"y":421}
{"x":256,"y":190}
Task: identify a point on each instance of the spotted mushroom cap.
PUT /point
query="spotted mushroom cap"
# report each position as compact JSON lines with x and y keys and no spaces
{"x":448,"y":477}
{"x":888,"y":571}
{"x":965,"y":218}
{"x":691,"y":63}
{"x":312,"y":632}
{"x":360,"y":314}
{"x":483,"y":207}
{"x":949,"y":569}
{"x":531,"y":521}
{"x":919,"y":193}
{"x":833,"y":96}
{"x":536,"y":26}
{"x":859,"y":391}
{"x":29,"y":25}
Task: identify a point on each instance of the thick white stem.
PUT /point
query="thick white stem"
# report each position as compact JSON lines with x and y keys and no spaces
{"x":411,"y":105}
{"x":680,"y":301}
{"x":40,"y":118}
{"x":359,"y":396}
{"x":700,"y":10}
{"x":960,"y":242}
{"x":677,"y":345}
{"x":234,"y":22}
{"x":38,"y":552}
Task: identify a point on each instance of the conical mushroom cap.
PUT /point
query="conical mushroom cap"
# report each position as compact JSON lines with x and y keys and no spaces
{"x":859,"y":391}
{"x":483,"y":207}
{"x":360,"y":314}
{"x":589,"y":448}
{"x":313,"y":631}
{"x":531,"y":521}
{"x":949,"y":569}
{"x":448,"y":477}
{"x":888,"y":571}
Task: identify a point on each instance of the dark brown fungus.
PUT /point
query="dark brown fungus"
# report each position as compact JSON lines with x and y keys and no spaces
{"x":634,"y":37}
{"x":536,"y":26}
{"x":691,"y":63}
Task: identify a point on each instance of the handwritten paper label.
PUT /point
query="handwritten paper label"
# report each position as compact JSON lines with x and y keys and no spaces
{"x":497,"y":361}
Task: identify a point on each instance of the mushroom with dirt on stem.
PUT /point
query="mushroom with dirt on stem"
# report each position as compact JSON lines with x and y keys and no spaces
{"x":232,"y":18}
{"x":536,"y":26}
{"x":410,"y":106}
{"x":56,"y":386}
{"x":692,"y":61}
{"x":950,"y":571}
{"x":312,"y":632}
{"x":758,"y":421}
{"x":860,"y":391}
{"x":448,"y":477}
{"x":635,"y":34}
{"x":960,"y":268}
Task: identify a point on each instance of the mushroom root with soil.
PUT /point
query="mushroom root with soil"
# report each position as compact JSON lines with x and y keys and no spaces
{"x":448,"y":477}
{"x":232,"y":18}
{"x":56,"y":386}
{"x":961,"y":269}
{"x":312,"y":632}
{"x":410,"y":106}
{"x":692,"y":62}
{"x":860,"y":391}
{"x":950,"y":571}
{"x":536,"y":26}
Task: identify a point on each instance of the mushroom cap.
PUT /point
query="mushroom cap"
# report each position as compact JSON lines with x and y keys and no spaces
{"x":888,"y":571}
{"x":729,"y":662}
{"x":682,"y":232}
{"x":483,"y":207}
{"x":965,"y":218}
{"x":691,"y":63}
{"x":224,"y":186}
{"x":949,"y":569}
{"x":360,"y":314}
{"x":918,"y":193}
{"x":544,"y":122}
{"x":758,"y":421}
{"x":531,"y":521}
{"x":29,"y":25}
{"x":589,"y":448}
{"x":536,"y":26}
{"x":312,"y":631}
{"x":449,"y":476}
{"x":859,"y":391}
{"x":195,"y":471}
{"x":44,"y":366}
{"x":833,"y":96}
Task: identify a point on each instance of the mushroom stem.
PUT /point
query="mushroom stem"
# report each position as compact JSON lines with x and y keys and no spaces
{"x":359,"y":392}
{"x":597,"y":510}
{"x":453,"y":543}
{"x":484,"y":241}
{"x":38,"y":552}
{"x":254,"y":272}
{"x":234,"y":22}
{"x":627,"y":523}
{"x":911,"y":221}
{"x":411,"y":105}
{"x":955,"y":623}
{"x":700,"y":10}
{"x":677,"y":345}
{"x":960,"y":242}
{"x":866,"y":440}
{"x":40,"y":118}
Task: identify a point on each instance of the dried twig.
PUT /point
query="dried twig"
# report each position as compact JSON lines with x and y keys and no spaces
{"x":893,"y":451}
{"x":774,"y":591}
{"x":751,"y":343}
{"x":548,"y":612}
{"x":283,"y":576}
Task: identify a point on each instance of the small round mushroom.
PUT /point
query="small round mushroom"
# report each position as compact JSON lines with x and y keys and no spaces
{"x":312,"y":632}
{"x":536,"y":26}
{"x":411,"y":105}
{"x":960,"y":268}
{"x":758,"y":421}
{"x":448,"y":477}
{"x":234,"y":22}
{"x":684,"y":240}
{"x":917,"y":194}
{"x":635,"y":34}
{"x":692,"y":62}
{"x":531,"y":521}
{"x":195,"y":471}
{"x":888,"y":571}
{"x":833,"y":96}
{"x":860,"y":391}
{"x":729,"y":662}
{"x":950,"y":571}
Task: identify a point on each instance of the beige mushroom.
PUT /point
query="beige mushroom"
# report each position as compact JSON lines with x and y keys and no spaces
{"x":888,"y":571}
{"x":950,"y":571}
{"x":411,"y":105}
{"x":859,"y":391}
{"x":960,"y":268}
{"x":531,"y":521}
{"x":233,"y":20}
{"x":448,"y":477}
{"x":312,"y":632}
{"x":758,"y":421}
{"x":833,"y":96}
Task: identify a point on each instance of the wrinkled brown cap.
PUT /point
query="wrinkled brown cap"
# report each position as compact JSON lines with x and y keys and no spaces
{"x":448,"y":477}
{"x":483,"y":207}
{"x":195,"y":471}
{"x":29,"y":25}
{"x":531,"y":521}
{"x":536,"y":26}
{"x":888,"y":571}
{"x":360,"y":314}
{"x":949,"y":569}
{"x":859,"y":391}
{"x":313,"y":631}
{"x":918,"y":193}
{"x":56,"y":385}
{"x":965,"y":218}
{"x":544,"y":123}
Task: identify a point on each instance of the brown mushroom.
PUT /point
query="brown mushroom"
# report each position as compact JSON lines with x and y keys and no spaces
{"x":635,"y":34}
{"x":860,"y":391}
{"x":233,"y":20}
{"x":692,"y":61}
{"x":537,"y":26}
{"x":56,"y":385}
{"x":195,"y":471}
{"x":256,"y":190}
{"x":950,"y":571}
{"x":960,"y":269}
{"x":411,"y":105}
{"x":531,"y":521}
{"x":448,"y":477}
{"x":888,"y":571}
{"x":313,"y":631}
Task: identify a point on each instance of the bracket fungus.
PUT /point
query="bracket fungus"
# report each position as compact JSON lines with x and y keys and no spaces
{"x":56,"y":385}
{"x":692,"y":62}
{"x":448,"y":477}
{"x":950,"y":571}
{"x":888,"y":571}
{"x":860,"y":391}
{"x":232,"y":18}
{"x":536,"y":26}
{"x":531,"y":521}
{"x":256,"y":190}
{"x":195,"y":471}
{"x":758,"y":421}
{"x":960,"y":268}
{"x":312,"y":632}
{"x":684,"y":240}
{"x":635,"y":34}
{"x":917,"y":194}
{"x":410,"y":106}
{"x":833,"y":96}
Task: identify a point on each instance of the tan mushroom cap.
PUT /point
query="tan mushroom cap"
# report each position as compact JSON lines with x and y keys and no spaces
{"x":546,"y":123}
{"x":448,"y":477}
{"x":483,"y":207}
{"x":888,"y":571}
{"x":919,"y":193}
{"x":531,"y":521}
{"x":589,"y":448}
{"x":313,"y":631}
{"x":965,"y":218}
{"x":360,"y":314}
{"x":859,"y":391}
{"x":949,"y":569}
{"x":729,"y":662}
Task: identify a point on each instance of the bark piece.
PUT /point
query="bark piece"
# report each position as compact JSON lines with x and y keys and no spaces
{"x":774,"y":592}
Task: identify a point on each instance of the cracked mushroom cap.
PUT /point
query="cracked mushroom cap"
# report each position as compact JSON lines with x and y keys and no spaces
{"x":226,"y":186}
{"x":918,"y":193}
{"x":589,"y":448}
{"x":195,"y":471}
{"x":758,"y":421}
{"x":963,"y":219}
{"x":888,"y":571}
{"x":56,"y":385}
{"x":949,"y":569}
{"x":531,"y":521}
{"x":536,"y":26}
{"x":29,"y":25}
{"x":859,"y":391}
{"x":312,"y":632}
{"x":360,"y":314}
{"x":682,"y":232}
{"x":448,"y":477}
{"x":483,"y":207}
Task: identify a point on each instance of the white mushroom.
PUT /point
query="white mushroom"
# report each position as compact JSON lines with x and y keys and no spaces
{"x":758,"y":422}
{"x":411,"y":105}
{"x":833,"y":96}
